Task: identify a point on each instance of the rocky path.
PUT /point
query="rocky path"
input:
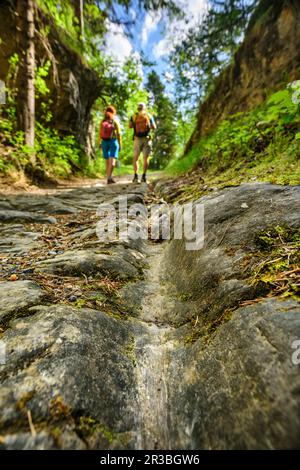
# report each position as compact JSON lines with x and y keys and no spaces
{"x":126,"y":343}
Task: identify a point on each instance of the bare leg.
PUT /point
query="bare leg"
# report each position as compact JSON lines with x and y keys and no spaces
{"x":112,"y":165}
{"x":146,"y":164}
{"x":135,"y":163}
{"x":136,"y":154}
{"x":107,"y":167}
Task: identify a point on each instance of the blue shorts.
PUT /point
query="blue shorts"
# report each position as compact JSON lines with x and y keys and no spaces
{"x":110,"y":148}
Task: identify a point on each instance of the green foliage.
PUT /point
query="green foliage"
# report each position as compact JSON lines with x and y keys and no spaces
{"x":42,"y":72}
{"x":186,"y":123}
{"x":263,"y":142}
{"x":11,"y":90}
{"x":56,"y":154}
{"x":165,"y":137}
{"x":121,"y":84}
{"x":208,"y":47}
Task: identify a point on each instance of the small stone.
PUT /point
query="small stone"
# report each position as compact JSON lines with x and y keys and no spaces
{"x":244,"y":206}
{"x":28,"y":271}
{"x":72,"y":298}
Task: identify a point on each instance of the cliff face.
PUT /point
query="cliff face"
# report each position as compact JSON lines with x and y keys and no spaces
{"x":73,"y":85}
{"x":268,"y":58}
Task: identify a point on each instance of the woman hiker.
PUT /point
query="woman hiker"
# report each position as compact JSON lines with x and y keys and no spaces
{"x":111,"y":140}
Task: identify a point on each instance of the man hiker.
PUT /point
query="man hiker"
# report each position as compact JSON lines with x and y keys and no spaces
{"x":142,"y":123}
{"x":111,"y":140}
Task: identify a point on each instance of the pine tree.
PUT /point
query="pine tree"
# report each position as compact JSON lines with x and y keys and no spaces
{"x":165,"y":138}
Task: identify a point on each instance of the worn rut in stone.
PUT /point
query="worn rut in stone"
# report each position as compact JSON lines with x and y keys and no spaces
{"x":153,"y":346}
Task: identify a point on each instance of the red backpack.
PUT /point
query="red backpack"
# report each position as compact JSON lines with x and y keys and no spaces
{"x":107,"y":129}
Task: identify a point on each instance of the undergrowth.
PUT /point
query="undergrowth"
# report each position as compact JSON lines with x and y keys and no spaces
{"x":56,"y":155}
{"x":263,"y":144}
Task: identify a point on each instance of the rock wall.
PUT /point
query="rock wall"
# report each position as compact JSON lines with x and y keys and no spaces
{"x":73,"y":86}
{"x":268,"y":58}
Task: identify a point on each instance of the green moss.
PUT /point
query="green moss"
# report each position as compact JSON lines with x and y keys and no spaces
{"x":80,"y":303}
{"x":130,"y":350}
{"x":21,"y":404}
{"x":56,"y":434}
{"x":211,"y":327}
{"x":89,"y":426}
{"x":192,"y":337}
{"x":185,"y":297}
{"x":59,"y":411}
{"x":207,"y":330}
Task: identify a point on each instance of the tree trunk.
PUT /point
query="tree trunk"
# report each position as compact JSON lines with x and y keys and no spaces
{"x":78,"y":8}
{"x":26,"y":86}
{"x":81,"y":19}
{"x":30,"y":67}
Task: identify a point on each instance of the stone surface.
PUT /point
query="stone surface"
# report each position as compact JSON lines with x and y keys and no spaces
{"x":241,"y":389}
{"x":214,"y":278}
{"x":79,"y":355}
{"x":89,"y":262}
{"x":24,"y":216}
{"x":18,"y":295}
{"x":17,"y":239}
{"x":70,"y":201}
{"x":26,"y":441}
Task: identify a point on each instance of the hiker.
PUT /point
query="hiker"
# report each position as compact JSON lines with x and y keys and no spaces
{"x":141,"y":123}
{"x":111,"y":140}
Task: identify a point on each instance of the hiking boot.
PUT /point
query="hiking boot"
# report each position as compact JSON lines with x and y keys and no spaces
{"x":110,"y":181}
{"x":144,"y":179}
{"x":135,"y":178}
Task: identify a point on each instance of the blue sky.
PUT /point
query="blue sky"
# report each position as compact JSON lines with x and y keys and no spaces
{"x":153,"y":34}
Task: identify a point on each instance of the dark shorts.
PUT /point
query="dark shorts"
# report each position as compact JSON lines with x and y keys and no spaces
{"x":110,"y":148}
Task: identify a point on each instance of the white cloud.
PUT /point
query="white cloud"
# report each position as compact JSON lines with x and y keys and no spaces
{"x":194,"y":9}
{"x":169,"y":76}
{"x":150,"y":24}
{"x":117,"y":43}
{"x":132,"y":14}
{"x":162,"y":48}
